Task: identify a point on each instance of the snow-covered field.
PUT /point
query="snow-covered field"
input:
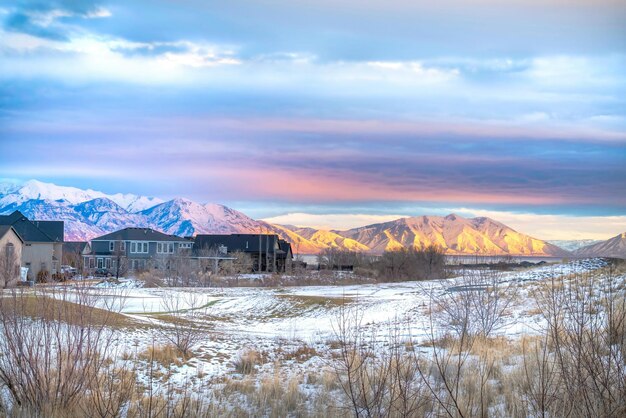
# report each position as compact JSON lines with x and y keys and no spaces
{"x":233,"y":320}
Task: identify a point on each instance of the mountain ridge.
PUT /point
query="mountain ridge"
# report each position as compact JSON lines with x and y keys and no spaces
{"x":612,"y":247}
{"x":90,"y":213}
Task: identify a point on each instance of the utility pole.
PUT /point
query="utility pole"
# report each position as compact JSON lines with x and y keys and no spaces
{"x":267,"y":260}
{"x":275,"y":245}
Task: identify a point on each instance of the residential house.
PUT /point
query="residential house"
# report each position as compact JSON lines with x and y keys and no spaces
{"x":266,"y":250}
{"x":137,"y":248}
{"x":285,"y":256}
{"x":74,"y":253}
{"x":10,"y":256}
{"x":42,"y":250}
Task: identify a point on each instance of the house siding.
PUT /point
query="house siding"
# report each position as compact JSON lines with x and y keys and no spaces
{"x":11,"y":237}
{"x":39,"y":256}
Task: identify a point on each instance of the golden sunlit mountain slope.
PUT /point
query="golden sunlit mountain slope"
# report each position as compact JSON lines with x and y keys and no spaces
{"x":457,"y":235}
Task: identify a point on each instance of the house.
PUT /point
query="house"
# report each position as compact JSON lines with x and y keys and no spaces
{"x":266,"y":251}
{"x":42,"y":249}
{"x":137,"y":248}
{"x":285,"y":256}
{"x":74,"y":253}
{"x":10,"y":256}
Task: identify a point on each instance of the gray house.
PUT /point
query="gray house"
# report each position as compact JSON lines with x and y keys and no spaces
{"x":42,"y":250}
{"x":267,"y":251}
{"x":137,"y":248}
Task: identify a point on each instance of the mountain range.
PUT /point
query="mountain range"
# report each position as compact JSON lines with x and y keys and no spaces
{"x":89,"y":213}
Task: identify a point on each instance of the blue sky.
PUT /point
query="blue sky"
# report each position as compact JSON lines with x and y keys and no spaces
{"x":516,"y":109}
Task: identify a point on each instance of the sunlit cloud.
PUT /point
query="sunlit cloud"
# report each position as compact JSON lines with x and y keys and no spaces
{"x":343,"y":104}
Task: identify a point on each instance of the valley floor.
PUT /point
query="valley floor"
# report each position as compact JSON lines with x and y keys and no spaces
{"x":242,"y":338}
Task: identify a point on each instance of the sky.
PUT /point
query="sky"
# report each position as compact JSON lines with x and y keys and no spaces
{"x":327,"y":113}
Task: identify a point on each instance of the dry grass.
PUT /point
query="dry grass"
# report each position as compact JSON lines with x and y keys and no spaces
{"x":166,"y":355}
{"x":309,"y":301}
{"x":247,"y":361}
{"x":38,"y":306}
{"x":301,"y":354}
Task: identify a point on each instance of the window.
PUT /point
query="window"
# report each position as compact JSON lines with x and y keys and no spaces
{"x":10,"y":250}
{"x":108,"y":263}
{"x":159,"y":247}
{"x":139,"y":247}
{"x":170,"y":248}
{"x":92,"y":263}
{"x":123,"y":246}
{"x":111,"y":246}
{"x":100,"y":263}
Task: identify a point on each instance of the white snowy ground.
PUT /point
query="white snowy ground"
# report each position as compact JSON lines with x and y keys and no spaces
{"x":271,"y":320}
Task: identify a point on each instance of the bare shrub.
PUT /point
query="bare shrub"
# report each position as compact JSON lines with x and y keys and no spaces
{"x":51,"y":344}
{"x":475,"y":304}
{"x":377,"y":380}
{"x":181,"y":311}
{"x":584,"y":316}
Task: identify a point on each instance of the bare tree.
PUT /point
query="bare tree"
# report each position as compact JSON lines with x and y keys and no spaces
{"x":476,"y":302}
{"x":52,"y":348}
{"x":9,"y":266}
{"x":413,"y":264}
{"x":121,"y":261}
{"x":182,"y":310}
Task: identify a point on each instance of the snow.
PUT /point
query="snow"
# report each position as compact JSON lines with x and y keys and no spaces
{"x":38,"y":190}
{"x":271,"y":318}
{"x":119,"y":284}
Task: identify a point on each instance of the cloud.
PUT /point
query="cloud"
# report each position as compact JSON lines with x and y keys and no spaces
{"x":45,"y":20}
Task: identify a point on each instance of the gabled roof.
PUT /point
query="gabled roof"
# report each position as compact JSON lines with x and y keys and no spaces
{"x":76,"y":247}
{"x":53,"y":229}
{"x":285,"y":247}
{"x":248,"y":243}
{"x":5,"y":229}
{"x":138,"y":234}
{"x":27,"y":230}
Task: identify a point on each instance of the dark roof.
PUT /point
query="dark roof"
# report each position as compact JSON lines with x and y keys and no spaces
{"x":75,"y":247}
{"x":9,"y":219}
{"x":248,"y":243}
{"x":6,"y":228}
{"x":27,"y":230}
{"x":138,"y":234}
{"x":285,"y":247}
{"x":53,"y":229}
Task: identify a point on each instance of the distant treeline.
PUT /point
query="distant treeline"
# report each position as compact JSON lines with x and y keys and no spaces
{"x":396,"y":265}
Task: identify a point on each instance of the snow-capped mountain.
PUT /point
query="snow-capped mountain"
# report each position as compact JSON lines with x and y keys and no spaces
{"x":613,"y":247}
{"x":89,"y":213}
{"x":184,"y":217}
{"x":108,"y":215}
{"x":11,"y":194}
